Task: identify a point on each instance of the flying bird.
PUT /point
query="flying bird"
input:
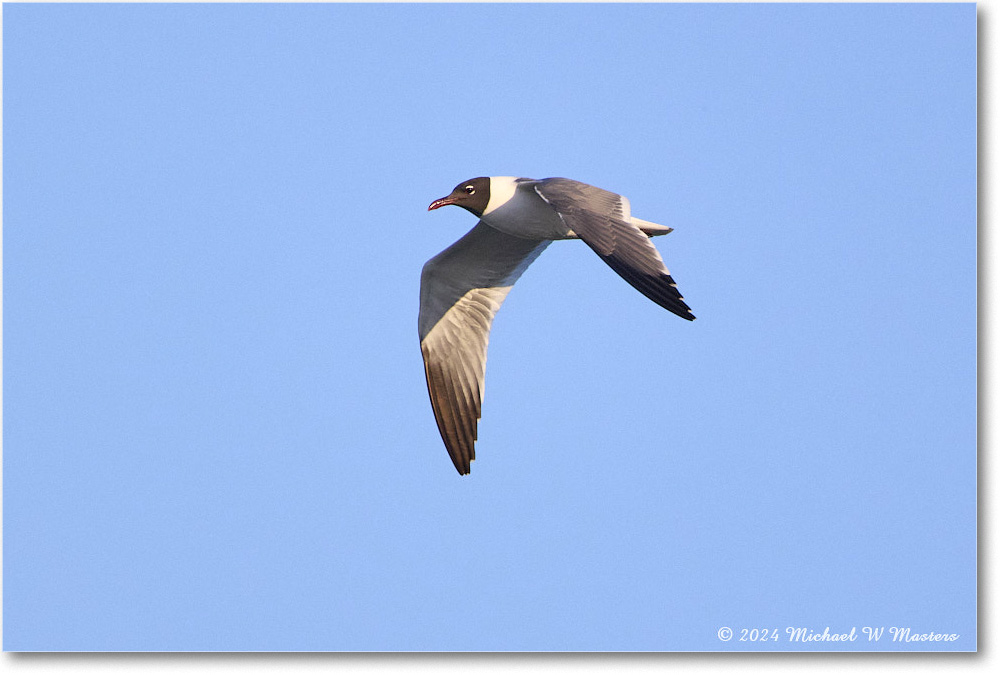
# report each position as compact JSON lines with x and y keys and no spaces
{"x":462,"y":287}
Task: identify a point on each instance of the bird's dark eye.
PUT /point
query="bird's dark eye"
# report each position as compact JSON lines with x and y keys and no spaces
{"x":469,"y":189}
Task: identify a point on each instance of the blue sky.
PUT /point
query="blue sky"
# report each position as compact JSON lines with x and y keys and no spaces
{"x":216,"y":428}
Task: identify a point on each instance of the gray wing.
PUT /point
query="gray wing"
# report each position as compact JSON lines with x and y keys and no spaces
{"x":600,"y":218}
{"x":461,"y":290}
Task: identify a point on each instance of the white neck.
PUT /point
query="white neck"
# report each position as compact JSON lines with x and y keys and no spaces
{"x":501,"y":190}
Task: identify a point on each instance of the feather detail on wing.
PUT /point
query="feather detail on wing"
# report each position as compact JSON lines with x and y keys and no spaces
{"x":461,"y":290}
{"x":602,"y":220}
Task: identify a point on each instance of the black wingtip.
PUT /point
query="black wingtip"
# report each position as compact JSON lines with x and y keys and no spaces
{"x":684,"y":314}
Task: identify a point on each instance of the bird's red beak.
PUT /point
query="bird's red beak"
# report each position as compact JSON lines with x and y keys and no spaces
{"x":438,"y":203}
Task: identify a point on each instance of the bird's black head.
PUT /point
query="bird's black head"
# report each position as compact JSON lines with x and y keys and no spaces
{"x":472,"y":195}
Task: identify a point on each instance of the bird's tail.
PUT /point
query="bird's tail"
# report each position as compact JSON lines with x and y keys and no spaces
{"x":651,"y":229}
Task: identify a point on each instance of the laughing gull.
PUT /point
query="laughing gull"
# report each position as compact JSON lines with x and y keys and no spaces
{"x":462,"y":287}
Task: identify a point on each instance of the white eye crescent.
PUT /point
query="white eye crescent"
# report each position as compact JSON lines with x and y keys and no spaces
{"x":469,"y":189}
